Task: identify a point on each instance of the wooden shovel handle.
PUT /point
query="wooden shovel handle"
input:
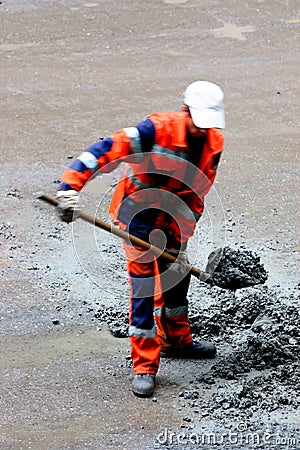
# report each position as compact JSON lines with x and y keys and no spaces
{"x":127,"y":236}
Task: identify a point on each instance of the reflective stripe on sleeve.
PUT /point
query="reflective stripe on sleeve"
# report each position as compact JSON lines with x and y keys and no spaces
{"x":140,"y":333}
{"x":88,"y":159}
{"x":135,"y":140}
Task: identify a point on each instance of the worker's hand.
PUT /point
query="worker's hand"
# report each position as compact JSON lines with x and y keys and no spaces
{"x":68,"y":207}
{"x":181,"y":265}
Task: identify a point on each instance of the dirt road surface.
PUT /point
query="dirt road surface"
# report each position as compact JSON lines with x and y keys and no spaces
{"x":72,"y":71}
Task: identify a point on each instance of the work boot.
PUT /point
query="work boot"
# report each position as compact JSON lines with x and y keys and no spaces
{"x":143,"y":385}
{"x":194,"y":350}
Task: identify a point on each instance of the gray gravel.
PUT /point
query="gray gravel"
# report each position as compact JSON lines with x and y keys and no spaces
{"x":70,"y":72}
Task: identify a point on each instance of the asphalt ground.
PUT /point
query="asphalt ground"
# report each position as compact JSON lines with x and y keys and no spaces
{"x":72,"y":71}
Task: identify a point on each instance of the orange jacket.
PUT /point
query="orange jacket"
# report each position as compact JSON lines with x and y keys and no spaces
{"x":165,"y":178}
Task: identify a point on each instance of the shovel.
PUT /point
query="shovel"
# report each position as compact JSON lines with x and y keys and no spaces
{"x":202,"y":276}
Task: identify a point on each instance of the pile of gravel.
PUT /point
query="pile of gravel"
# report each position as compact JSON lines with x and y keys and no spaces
{"x":235,"y":269}
{"x":257,"y":368}
{"x":260,"y":326}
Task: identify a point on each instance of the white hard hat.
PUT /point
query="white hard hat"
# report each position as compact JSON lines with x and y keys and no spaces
{"x":205,"y":102}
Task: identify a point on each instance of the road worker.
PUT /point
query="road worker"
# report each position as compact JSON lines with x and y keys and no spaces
{"x":170,"y":160}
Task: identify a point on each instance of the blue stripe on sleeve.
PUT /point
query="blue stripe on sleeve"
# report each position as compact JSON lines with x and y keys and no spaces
{"x":100,"y":148}
{"x":64,"y":186}
{"x":147,"y":134}
{"x":78,"y":166}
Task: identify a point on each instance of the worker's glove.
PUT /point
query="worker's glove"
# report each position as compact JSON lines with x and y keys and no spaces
{"x":181,"y":265}
{"x":68,"y":207}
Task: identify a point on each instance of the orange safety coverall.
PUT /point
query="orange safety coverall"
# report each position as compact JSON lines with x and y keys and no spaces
{"x":165,"y":179}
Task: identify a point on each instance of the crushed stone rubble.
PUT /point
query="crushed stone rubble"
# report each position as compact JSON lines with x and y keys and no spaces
{"x":257,"y":331}
{"x":235,"y":269}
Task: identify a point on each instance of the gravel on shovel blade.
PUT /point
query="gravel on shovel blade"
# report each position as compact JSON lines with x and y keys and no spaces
{"x":235,"y":269}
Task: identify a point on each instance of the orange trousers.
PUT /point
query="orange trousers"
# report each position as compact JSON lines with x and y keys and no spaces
{"x":158,"y":314}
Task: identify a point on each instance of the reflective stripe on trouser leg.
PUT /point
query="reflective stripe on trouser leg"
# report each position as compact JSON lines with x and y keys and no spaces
{"x":145,"y":348}
{"x":173,"y":327}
